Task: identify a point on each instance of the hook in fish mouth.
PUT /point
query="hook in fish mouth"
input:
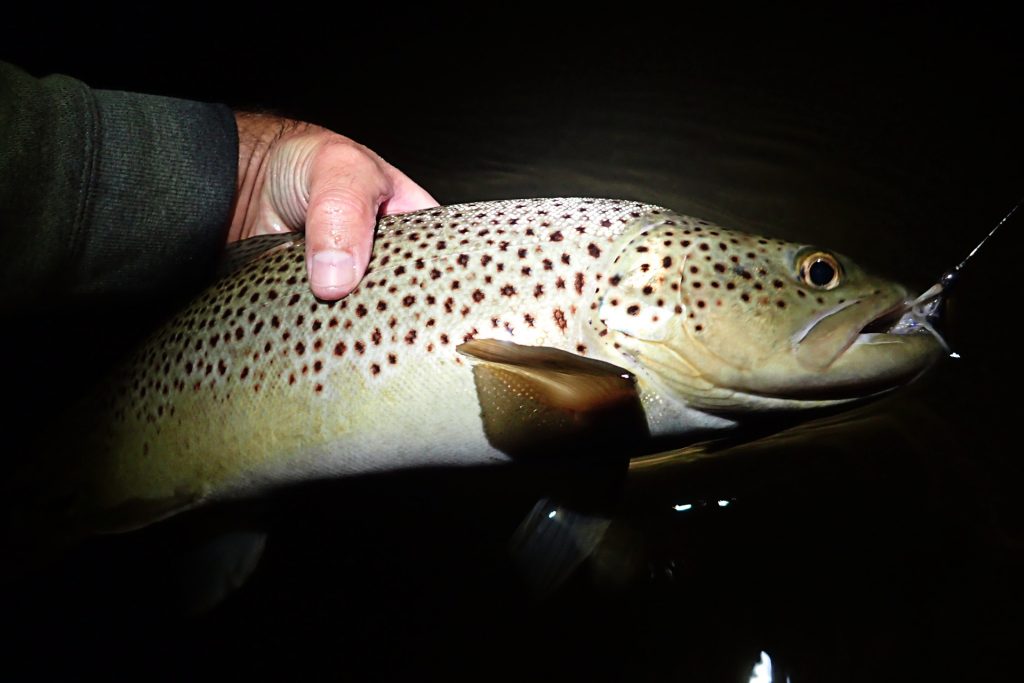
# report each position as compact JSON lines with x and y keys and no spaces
{"x":916,"y":316}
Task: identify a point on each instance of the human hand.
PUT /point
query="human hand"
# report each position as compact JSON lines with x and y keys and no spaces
{"x":293,"y":174}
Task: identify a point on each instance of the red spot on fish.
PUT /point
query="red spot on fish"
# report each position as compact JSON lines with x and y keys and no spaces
{"x":559,"y":317}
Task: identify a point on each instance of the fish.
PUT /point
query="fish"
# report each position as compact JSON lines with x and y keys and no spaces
{"x":484,"y":333}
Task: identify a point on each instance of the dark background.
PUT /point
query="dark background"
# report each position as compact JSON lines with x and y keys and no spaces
{"x":886,"y":547}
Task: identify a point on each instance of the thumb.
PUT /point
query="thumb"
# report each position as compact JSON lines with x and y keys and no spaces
{"x":346,"y":192}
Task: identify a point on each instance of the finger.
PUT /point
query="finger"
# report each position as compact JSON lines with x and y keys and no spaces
{"x":406,"y":195}
{"x":346,"y":191}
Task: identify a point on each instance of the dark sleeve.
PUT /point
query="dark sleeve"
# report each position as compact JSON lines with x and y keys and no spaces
{"x":108,"y":195}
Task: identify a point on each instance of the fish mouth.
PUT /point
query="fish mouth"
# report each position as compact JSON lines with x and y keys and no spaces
{"x":909,"y":317}
{"x":869,"y":321}
{"x":888,"y":321}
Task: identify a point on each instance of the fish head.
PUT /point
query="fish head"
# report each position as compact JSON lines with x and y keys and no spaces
{"x":731,"y":322}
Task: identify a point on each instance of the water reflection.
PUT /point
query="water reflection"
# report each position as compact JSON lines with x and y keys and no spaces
{"x":763,"y":672}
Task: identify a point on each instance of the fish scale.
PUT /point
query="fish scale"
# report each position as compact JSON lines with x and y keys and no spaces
{"x":258,"y":383}
{"x":255,"y":381}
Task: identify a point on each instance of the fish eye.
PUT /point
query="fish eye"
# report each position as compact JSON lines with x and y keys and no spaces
{"x":820,"y":270}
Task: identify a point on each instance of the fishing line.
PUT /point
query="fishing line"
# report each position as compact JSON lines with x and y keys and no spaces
{"x":926,"y":305}
{"x":949,"y":277}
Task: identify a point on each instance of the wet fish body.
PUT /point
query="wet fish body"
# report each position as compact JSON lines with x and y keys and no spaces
{"x":257,"y":383}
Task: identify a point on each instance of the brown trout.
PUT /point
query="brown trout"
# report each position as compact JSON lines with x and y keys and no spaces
{"x":482,"y":331}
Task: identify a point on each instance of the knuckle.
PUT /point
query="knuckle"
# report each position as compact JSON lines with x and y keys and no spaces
{"x":339,"y":150}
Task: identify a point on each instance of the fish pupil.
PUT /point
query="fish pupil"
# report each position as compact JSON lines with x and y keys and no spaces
{"x":821,"y":273}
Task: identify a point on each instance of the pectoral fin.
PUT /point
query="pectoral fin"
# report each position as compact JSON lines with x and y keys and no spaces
{"x":535,"y":399}
{"x":552,"y":542}
{"x":137,"y":512}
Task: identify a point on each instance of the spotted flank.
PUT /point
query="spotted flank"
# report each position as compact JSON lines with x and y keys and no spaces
{"x":689,"y":326}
